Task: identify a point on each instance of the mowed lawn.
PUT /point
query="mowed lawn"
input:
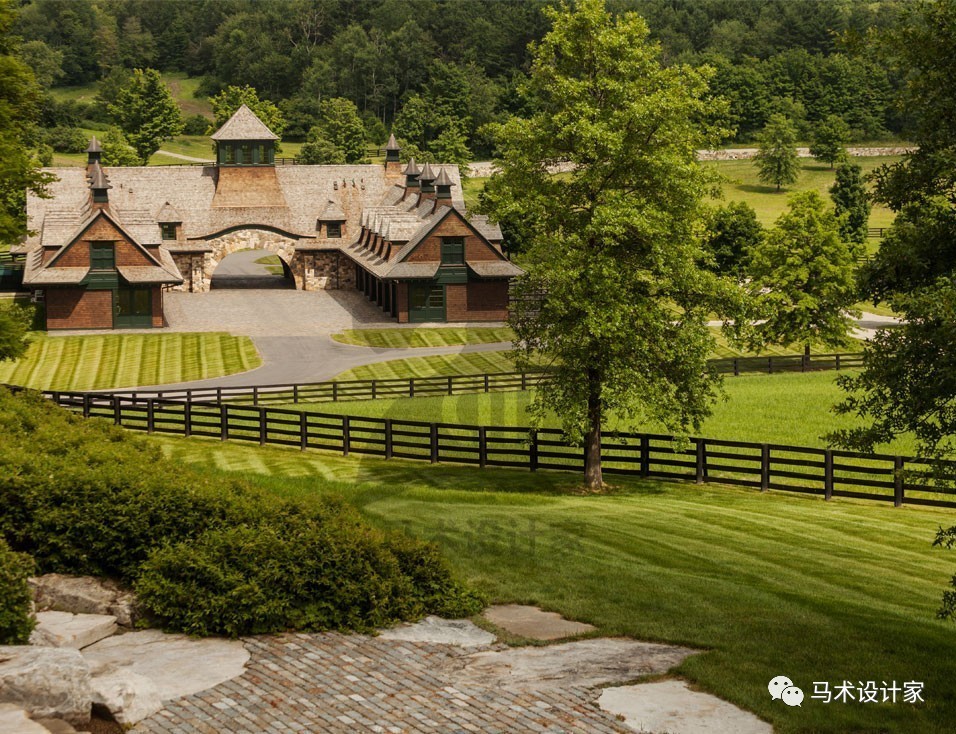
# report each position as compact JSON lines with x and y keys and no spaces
{"x":100,"y":361}
{"x":793,"y":409}
{"x":763,"y":584}
{"x":424,"y":337}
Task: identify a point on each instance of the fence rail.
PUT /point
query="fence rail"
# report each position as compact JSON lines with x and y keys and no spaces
{"x":335,"y":391}
{"x":824,"y":472}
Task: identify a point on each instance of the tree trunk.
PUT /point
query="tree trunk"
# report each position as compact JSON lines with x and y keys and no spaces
{"x":593,"y":477}
{"x":806,"y":357}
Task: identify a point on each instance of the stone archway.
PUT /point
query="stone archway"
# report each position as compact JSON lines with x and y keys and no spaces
{"x":251,"y":239}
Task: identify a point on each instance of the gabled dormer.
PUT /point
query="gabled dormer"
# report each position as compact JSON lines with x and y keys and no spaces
{"x":245,"y":141}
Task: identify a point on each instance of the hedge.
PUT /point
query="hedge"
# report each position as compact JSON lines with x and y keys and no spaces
{"x":16,"y":620}
{"x":205,"y":555}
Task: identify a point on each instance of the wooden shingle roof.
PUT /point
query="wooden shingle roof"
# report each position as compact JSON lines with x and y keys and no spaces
{"x":244,"y":125}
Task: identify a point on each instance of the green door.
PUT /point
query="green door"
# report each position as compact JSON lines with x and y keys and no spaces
{"x":426,"y":302}
{"x":133,"y":308}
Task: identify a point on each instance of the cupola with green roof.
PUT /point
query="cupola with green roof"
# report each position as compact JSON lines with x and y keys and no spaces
{"x":244,"y":140}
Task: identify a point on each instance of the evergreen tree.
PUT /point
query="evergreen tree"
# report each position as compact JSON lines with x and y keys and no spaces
{"x":146,"y":113}
{"x":851,"y":202}
{"x":776,"y":160}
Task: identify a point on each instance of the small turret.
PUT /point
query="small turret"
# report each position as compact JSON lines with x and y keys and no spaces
{"x":392,"y":150}
{"x":443,"y":185}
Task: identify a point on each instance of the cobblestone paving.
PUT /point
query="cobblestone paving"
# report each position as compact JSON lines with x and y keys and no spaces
{"x":337,"y":683}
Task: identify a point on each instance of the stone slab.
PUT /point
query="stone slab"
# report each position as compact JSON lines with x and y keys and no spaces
{"x":585,"y":663}
{"x":534,"y":623}
{"x":670,"y":706}
{"x":459,"y":632}
{"x":14,"y":720}
{"x":83,"y":595}
{"x":63,"y":629}
{"x":178,"y":665}
{"x":56,"y":726}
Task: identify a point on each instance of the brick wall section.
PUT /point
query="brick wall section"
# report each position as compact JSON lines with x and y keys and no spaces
{"x":453,"y":226}
{"x":158,"y":320}
{"x":486,"y":301}
{"x":78,"y":255}
{"x":78,"y":308}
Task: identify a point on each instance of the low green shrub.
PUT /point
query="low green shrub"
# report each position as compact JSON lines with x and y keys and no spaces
{"x":16,"y":622}
{"x":206,"y":556}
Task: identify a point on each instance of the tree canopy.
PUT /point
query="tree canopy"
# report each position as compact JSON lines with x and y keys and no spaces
{"x":146,"y":112}
{"x":776,"y":158}
{"x":614,"y":244}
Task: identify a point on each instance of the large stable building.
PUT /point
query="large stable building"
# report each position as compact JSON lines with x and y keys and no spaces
{"x":110,"y":241}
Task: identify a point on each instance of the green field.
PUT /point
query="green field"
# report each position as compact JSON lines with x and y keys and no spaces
{"x":763,"y":584}
{"x":183,"y":89}
{"x":741,"y":184}
{"x":100,"y":361}
{"x":423,"y":337}
{"x":792,"y":409}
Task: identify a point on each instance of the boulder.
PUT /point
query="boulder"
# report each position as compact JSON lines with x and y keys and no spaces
{"x":84,"y":595}
{"x":178,"y":665}
{"x":14,"y":720}
{"x":49,"y":682}
{"x":63,"y":629}
{"x":128,"y":696}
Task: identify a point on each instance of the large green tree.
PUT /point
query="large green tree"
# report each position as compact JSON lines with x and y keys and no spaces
{"x":830,"y":137}
{"x":733,"y":231}
{"x":614,"y":300}
{"x":908,"y":383}
{"x":776,"y":158}
{"x":803,"y":278}
{"x":146,"y":112}
{"x":341,"y":125}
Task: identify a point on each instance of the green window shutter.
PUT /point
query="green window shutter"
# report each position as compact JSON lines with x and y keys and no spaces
{"x":102,"y":256}
{"x":452,"y":250}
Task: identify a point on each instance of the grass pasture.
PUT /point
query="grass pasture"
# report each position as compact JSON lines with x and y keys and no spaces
{"x":423,"y":337}
{"x":100,"y":361}
{"x":763,"y":584}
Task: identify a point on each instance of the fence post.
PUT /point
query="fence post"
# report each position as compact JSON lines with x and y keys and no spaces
{"x":701,"y":460}
{"x":645,"y":455}
{"x":255,"y":395}
{"x":187,"y":419}
{"x":263,"y":430}
{"x":434,"y":443}
{"x":346,"y":435}
{"x":374,"y":390}
{"x":533,"y":451}
{"x":897,"y":481}
{"x":388,"y":438}
{"x":764,"y":467}
{"x":524,"y":381}
{"x":769,"y":365}
{"x":295,"y":394}
{"x":335,"y":392}
{"x":450,"y":383}
{"x":838,"y":362}
{"x":218,"y":394}
{"x":487,"y":387}
{"x":117,"y":411}
{"x":736,"y":367}
{"x":223,"y":421}
{"x":482,"y":446}
{"x":411,"y":387}
{"x":828,"y":475}
{"x":86,"y":405}
{"x":303,"y":430}
{"x":150,"y":419}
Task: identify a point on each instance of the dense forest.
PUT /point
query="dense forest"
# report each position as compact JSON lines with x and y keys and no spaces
{"x":431,"y":68}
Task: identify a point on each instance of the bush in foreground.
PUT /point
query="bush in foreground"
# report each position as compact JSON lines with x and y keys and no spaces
{"x":206,"y":556}
{"x":16,"y":622}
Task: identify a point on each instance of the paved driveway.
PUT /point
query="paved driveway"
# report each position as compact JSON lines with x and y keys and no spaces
{"x":272,"y":312}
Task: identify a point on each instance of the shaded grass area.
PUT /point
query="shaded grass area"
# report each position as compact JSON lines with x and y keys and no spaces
{"x":99,"y":361}
{"x":427,"y":337}
{"x":793,"y":409}
{"x":764,"y":584}
{"x":182,"y":87}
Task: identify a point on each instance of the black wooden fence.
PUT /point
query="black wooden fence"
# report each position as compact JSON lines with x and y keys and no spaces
{"x":824,"y":472}
{"x":411,"y":387}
